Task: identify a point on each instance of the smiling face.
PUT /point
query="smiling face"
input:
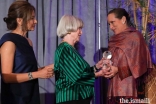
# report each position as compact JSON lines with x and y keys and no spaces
{"x":31,"y":22}
{"x":116,"y":25}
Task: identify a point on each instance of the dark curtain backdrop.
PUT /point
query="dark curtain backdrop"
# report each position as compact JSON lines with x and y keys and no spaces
{"x":93,"y":42}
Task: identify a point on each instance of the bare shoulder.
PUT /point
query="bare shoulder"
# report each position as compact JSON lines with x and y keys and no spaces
{"x":7,"y":47}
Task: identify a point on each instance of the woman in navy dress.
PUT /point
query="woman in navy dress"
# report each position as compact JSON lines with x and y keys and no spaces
{"x":19,"y":70}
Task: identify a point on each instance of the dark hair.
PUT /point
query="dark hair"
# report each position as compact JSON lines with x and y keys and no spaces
{"x":119,"y":13}
{"x":19,"y":9}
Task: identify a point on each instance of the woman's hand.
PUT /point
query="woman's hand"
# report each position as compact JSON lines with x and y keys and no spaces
{"x":99,"y":73}
{"x":46,"y":72}
{"x":110,"y":71}
{"x":100,"y":64}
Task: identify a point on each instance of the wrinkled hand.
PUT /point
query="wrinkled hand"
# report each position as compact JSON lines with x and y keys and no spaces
{"x":100,"y":63}
{"x":99,"y":73}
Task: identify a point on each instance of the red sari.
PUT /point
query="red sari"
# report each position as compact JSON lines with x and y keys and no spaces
{"x":131,"y":56}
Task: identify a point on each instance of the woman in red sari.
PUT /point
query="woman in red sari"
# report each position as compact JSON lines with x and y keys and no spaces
{"x":130,"y":57}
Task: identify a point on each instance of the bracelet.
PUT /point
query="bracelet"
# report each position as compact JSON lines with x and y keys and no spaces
{"x":30,"y":76}
{"x":95,"y":69}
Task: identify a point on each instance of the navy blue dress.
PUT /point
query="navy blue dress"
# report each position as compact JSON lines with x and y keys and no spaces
{"x":24,"y":62}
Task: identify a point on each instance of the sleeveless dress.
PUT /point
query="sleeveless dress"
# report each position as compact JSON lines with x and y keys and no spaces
{"x":24,"y":62}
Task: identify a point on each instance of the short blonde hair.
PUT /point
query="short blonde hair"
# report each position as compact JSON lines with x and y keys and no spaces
{"x":67,"y":24}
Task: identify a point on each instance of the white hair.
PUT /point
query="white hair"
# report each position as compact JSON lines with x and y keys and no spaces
{"x":67,"y":24}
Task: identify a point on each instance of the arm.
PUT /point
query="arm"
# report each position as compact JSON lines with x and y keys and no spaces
{"x":98,"y":66}
{"x":7,"y":56}
{"x":74,"y":66}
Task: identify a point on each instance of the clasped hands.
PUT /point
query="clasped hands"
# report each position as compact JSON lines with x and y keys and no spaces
{"x":107,"y":69}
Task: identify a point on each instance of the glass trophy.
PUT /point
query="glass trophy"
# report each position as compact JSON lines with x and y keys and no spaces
{"x":107,"y":55}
